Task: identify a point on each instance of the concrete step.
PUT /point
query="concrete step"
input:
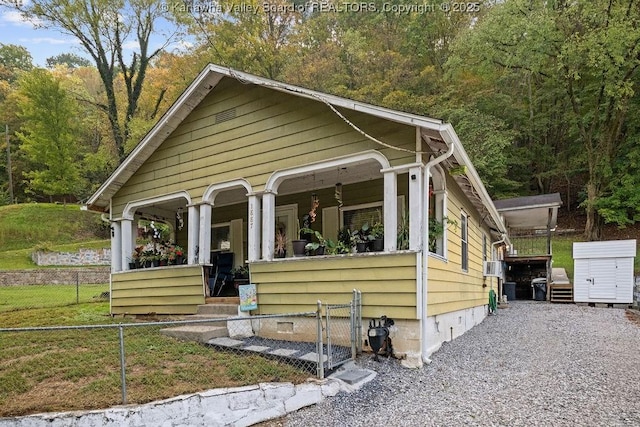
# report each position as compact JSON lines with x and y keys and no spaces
{"x":218,"y":309}
{"x":201,"y":333}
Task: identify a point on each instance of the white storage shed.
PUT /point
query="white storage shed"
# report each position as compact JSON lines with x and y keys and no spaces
{"x":603,"y":271}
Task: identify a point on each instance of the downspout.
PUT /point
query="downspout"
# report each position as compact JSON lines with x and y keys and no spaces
{"x":425,"y":250}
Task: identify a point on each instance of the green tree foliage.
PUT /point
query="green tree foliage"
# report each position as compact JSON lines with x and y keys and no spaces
{"x":69,"y":60}
{"x":251,"y":36}
{"x":577,"y":64}
{"x":49,"y":135}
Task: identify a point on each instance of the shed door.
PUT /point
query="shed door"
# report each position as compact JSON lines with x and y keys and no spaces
{"x":602,"y":278}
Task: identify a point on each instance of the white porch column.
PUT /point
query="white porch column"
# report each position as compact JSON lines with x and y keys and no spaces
{"x":390,"y":203}
{"x":126,"y":242}
{"x":268,"y":225}
{"x":116,"y":247}
{"x":193,"y":233}
{"x":254,"y":227}
{"x":204,"y":251}
{"x":415,"y":208}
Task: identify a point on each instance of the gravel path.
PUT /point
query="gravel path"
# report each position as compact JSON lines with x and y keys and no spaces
{"x":534,"y":364}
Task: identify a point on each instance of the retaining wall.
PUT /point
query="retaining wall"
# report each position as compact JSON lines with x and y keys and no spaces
{"x":82,"y":257}
{"x":55,"y":276}
{"x":241,"y":406}
{"x":636,"y":294}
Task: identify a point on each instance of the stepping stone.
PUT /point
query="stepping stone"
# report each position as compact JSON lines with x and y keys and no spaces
{"x":256,"y":348}
{"x":225,"y":342}
{"x":283,"y":352}
{"x":313,"y":357}
{"x":353,"y":376}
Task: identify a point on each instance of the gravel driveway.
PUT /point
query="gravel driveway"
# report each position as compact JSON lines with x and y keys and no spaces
{"x":534,"y":364}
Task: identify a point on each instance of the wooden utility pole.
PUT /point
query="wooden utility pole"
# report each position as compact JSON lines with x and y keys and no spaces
{"x":6,"y":136}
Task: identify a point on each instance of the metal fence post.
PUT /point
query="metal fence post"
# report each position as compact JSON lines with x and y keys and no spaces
{"x":352,"y":325}
{"x":123,"y":376}
{"x":358,"y":322}
{"x":319,"y":346}
{"x":77,"y":286}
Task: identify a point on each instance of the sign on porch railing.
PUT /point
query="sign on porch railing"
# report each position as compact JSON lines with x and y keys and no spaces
{"x":248,"y":297}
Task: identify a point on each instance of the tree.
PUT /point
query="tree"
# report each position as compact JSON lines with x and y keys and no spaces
{"x":588,"y":53}
{"x":103,"y":28}
{"x":69,"y":60}
{"x":251,"y":36}
{"x":13,"y":59}
{"x":49,"y":135}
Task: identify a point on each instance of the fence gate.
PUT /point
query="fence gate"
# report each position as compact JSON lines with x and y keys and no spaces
{"x":344,"y":331}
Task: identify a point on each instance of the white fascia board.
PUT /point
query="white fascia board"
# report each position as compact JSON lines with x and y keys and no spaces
{"x":450,"y":137}
{"x":397,"y":116}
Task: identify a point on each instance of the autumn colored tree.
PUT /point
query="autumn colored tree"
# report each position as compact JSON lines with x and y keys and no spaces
{"x":103,"y":27}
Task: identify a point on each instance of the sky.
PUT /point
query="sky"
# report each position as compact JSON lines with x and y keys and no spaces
{"x":45,"y":43}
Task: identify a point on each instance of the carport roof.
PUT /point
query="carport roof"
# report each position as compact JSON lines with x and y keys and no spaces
{"x":532,"y":212}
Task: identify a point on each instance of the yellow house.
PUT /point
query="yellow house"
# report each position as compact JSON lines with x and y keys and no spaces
{"x":240,"y":159}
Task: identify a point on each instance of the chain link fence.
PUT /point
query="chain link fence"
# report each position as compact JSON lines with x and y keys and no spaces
{"x":62,"y":368}
{"x":52,"y":288}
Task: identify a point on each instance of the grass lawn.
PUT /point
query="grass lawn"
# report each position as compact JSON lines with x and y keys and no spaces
{"x":42,"y":371}
{"x":27,"y":227}
{"x":562,"y":247}
{"x":41,"y":296}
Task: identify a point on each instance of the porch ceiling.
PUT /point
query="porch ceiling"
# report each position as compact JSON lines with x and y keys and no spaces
{"x":350,"y":174}
{"x":531,"y":212}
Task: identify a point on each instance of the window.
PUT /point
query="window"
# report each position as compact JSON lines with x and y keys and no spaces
{"x":464,"y":241}
{"x":354,"y":217}
{"x":484,"y":247}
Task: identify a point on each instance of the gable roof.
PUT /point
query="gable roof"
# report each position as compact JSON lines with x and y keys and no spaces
{"x":436,"y":133}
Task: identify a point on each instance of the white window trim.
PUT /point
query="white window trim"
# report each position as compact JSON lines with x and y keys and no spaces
{"x":464,"y":231}
{"x":344,"y":209}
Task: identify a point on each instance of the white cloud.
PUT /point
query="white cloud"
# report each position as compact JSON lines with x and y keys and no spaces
{"x":15,"y":18}
{"x":180,"y":46}
{"x":49,"y":40}
{"x":131,"y":45}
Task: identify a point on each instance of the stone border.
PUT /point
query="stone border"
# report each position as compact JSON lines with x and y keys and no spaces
{"x":239,"y":406}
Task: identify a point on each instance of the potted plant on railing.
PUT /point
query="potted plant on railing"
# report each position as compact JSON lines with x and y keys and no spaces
{"x":300,"y":243}
{"x":377,"y":233}
{"x":315,"y":248}
{"x":362,"y":237}
{"x":134,"y":261}
{"x":179,"y":254}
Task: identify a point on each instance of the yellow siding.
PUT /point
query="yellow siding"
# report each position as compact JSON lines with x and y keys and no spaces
{"x":387,"y":283}
{"x":164,"y":290}
{"x":449,"y":287}
{"x":271,"y":131}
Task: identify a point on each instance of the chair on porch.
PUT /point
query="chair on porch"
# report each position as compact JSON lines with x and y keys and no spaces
{"x":222,"y":275}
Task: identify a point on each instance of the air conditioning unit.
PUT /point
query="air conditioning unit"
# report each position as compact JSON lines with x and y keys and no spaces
{"x":492,"y":268}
